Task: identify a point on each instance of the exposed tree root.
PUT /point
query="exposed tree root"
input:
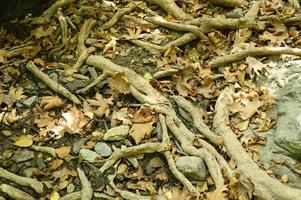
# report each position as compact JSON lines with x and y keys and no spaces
{"x":45,"y":17}
{"x":265,"y":187}
{"x":171,"y":8}
{"x":82,"y":58}
{"x":72,"y":196}
{"x":165,"y":73}
{"x":51,"y":83}
{"x":93,"y":83}
{"x":84,"y":34}
{"x":64,"y":27}
{"x":253,"y":51}
{"x":34,"y":184}
{"x":48,"y":150}
{"x":119,"y":14}
{"x":15,"y":193}
{"x":87,"y":192}
{"x":229,"y":3}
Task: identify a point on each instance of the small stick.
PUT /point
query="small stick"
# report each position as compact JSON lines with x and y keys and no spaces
{"x":93,"y":83}
{"x":51,"y":83}
{"x":87,"y":192}
{"x":64,"y":27}
{"x":84,"y":34}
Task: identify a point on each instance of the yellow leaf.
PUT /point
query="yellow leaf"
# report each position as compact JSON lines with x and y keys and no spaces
{"x":63,"y":151}
{"x":50,"y":102}
{"x":119,"y":83}
{"x":141,"y":131}
{"x":54,"y":196}
{"x":24,"y":141}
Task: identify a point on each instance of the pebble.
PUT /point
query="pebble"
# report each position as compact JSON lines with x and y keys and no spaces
{"x":192,"y":167}
{"x":23,"y":156}
{"x":89,"y":155}
{"x":103,"y":149}
{"x":116,"y":133}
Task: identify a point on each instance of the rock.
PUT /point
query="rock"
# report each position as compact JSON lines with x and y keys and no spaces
{"x":116,"y":133}
{"x":29,"y":172}
{"x":236,"y":13}
{"x":30,"y":101}
{"x":75,"y":85}
{"x":103,"y":149}
{"x":192,"y":167}
{"x":89,"y":155}
{"x":78,"y":144}
{"x":23,"y":156}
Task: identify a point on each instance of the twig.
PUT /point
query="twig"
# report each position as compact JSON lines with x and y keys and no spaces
{"x":93,"y":83}
{"x":165,"y":73}
{"x":49,"y":150}
{"x":171,"y":8}
{"x":121,"y":12}
{"x":15,"y":193}
{"x":253,"y":51}
{"x":25,"y":181}
{"x":82,"y":58}
{"x":64,"y":27}
{"x":51,"y":83}
{"x":87,"y":192}
{"x":84,"y":34}
{"x":45,"y":17}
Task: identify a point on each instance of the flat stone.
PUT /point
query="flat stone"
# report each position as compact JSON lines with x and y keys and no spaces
{"x":116,"y":133}
{"x":103,"y":149}
{"x":89,"y":155}
{"x":192,"y":167}
{"x":23,"y":156}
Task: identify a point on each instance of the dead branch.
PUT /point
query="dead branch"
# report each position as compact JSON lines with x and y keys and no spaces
{"x":51,"y":83}
{"x":45,"y":17}
{"x":25,"y":181}
{"x":15,"y":193}
{"x":82,"y":58}
{"x":64,"y":27}
{"x":84,"y":34}
{"x":118,"y":15}
{"x":87,"y":192}
{"x":288,"y":21}
{"x":165,"y":73}
{"x":95,"y":82}
{"x":171,"y":8}
{"x":229,"y":3}
{"x":265,"y":187}
{"x":253,"y":51}
{"x":49,"y":150}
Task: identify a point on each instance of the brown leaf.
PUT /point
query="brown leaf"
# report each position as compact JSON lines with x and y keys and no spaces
{"x":141,"y":131}
{"x":55,"y":164}
{"x":50,"y":102}
{"x":218,"y":193}
{"x":63,"y":151}
{"x":101,"y":104}
{"x":246,"y":107}
{"x":119,"y":84}
{"x":24,"y":141}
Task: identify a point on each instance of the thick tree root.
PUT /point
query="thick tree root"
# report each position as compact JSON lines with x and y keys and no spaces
{"x":253,"y":51}
{"x":34,"y":184}
{"x":45,"y":17}
{"x":265,"y":187}
{"x":15,"y":193}
{"x":51,"y":83}
{"x":118,"y":15}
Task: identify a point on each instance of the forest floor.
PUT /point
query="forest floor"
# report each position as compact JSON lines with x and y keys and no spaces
{"x":103,"y":99}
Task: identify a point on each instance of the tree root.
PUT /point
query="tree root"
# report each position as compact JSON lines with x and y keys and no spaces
{"x":265,"y":187}
{"x":64,"y":27}
{"x":45,"y":17}
{"x":253,"y":51}
{"x":72,"y":196}
{"x":48,"y":150}
{"x":171,"y":8}
{"x":229,"y":3}
{"x":84,"y":34}
{"x":51,"y":83}
{"x":118,"y":15}
{"x":165,"y":73}
{"x":15,"y":193}
{"x":82,"y":58}
{"x":87,"y":192}
{"x":34,"y":184}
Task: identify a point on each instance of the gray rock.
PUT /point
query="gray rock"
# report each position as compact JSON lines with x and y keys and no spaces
{"x":23,"y":156}
{"x":75,"y":85}
{"x":103,"y":149}
{"x":29,"y":172}
{"x":236,"y":13}
{"x":116,"y":133}
{"x":89,"y":155}
{"x":192,"y":167}
{"x":30,"y":101}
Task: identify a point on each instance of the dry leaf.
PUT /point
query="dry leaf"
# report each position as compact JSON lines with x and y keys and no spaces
{"x":55,"y":164}
{"x":119,"y":84}
{"x":141,"y":131}
{"x":219,"y":193}
{"x":24,"y":141}
{"x":63,"y":151}
{"x":101,"y":104}
{"x":50,"y":102}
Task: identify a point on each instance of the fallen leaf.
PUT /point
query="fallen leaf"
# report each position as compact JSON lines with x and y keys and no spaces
{"x":54,"y":196}
{"x":24,"y":141}
{"x":50,"y":102}
{"x":141,"y":131}
{"x":55,"y":164}
{"x":63,"y":151}
{"x":119,"y":84}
